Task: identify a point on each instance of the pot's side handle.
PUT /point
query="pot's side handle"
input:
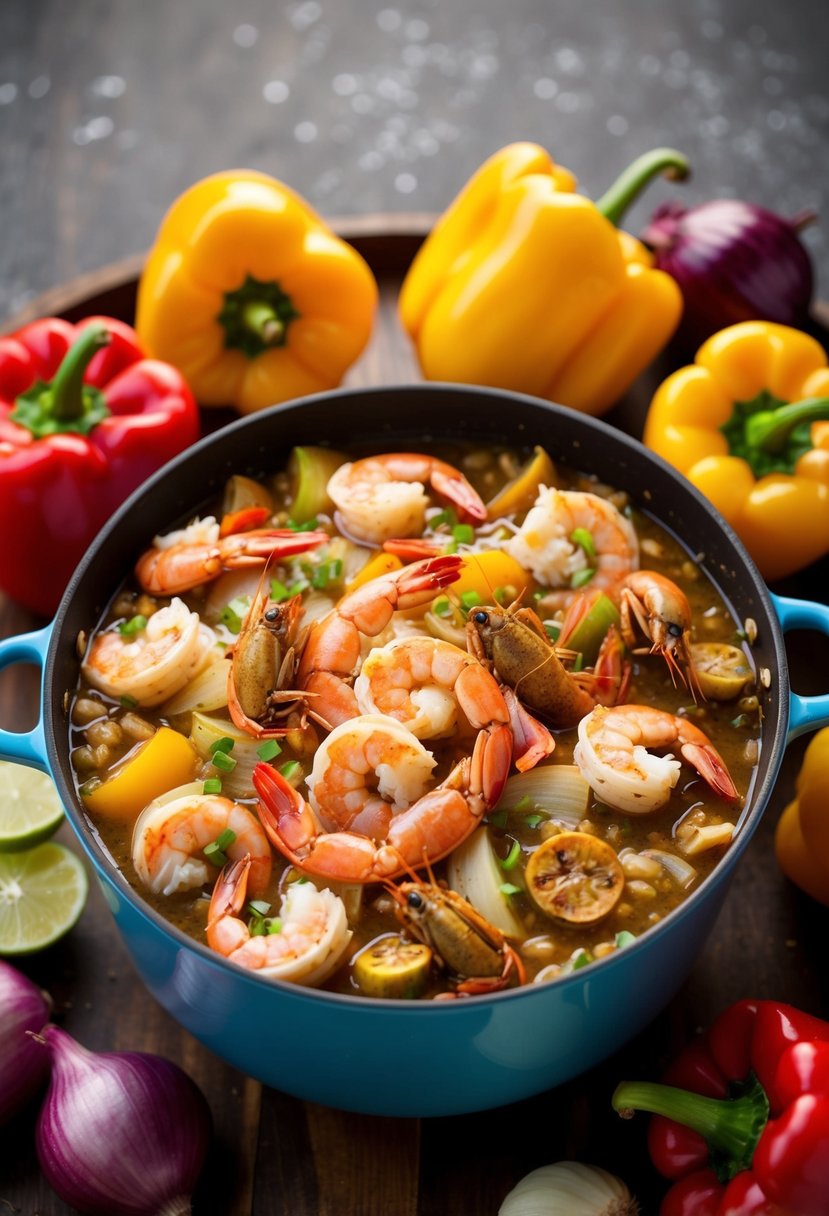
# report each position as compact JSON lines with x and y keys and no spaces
{"x":805,"y":713}
{"x":26,"y":747}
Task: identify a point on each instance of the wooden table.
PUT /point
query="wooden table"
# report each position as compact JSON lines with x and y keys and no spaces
{"x":276,"y":1156}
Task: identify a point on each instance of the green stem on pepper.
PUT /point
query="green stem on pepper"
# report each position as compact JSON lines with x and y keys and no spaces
{"x":615,"y":201}
{"x":771,"y":435}
{"x":66,"y":404}
{"x":730,"y":1127}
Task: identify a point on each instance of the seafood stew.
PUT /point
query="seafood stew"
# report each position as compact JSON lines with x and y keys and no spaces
{"x":401,"y":750}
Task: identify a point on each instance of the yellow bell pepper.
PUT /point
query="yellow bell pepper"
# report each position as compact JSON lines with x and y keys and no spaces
{"x":164,"y":761}
{"x":525,"y":285}
{"x":251,"y":295}
{"x":802,"y":836}
{"x":743,"y":424}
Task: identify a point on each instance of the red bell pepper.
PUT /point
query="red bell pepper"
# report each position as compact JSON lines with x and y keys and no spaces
{"x":84,"y":420}
{"x":743,"y":1121}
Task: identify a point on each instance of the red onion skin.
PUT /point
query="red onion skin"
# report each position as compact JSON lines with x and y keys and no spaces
{"x":120,"y":1133}
{"x":23,"y":1065}
{"x":734,"y":261}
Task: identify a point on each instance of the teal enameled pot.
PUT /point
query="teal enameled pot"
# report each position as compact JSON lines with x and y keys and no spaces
{"x":445,"y":1057}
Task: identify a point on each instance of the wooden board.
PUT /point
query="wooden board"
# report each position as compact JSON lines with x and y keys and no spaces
{"x":276,"y":1156}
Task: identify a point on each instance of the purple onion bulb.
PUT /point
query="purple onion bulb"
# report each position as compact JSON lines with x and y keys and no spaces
{"x":23,"y":1064}
{"x":734,"y":262}
{"x":120,"y":1133}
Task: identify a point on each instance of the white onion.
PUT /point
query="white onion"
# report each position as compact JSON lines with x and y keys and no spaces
{"x":569,"y":1188}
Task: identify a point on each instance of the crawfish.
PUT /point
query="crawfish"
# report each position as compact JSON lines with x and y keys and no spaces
{"x":463,"y":942}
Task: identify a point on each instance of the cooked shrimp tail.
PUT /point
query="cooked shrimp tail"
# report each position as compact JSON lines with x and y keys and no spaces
{"x":655,"y":609}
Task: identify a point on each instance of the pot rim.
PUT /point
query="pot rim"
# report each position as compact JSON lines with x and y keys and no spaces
{"x":757,"y":796}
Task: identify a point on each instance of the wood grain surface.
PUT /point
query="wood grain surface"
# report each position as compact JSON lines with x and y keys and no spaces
{"x":276,"y":1156}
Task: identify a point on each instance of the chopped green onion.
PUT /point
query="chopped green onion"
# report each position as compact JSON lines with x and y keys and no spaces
{"x":134,"y":625}
{"x":288,"y":770}
{"x":532,"y":821}
{"x":259,"y":907}
{"x":447,"y":517}
{"x":624,"y":938}
{"x":509,"y":888}
{"x":498,"y":819}
{"x":223,"y":762}
{"x":211,"y":786}
{"x":452,"y":547}
{"x":442,"y":606}
{"x":268,"y":750}
{"x":307,"y":525}
{"x":127,"y":702}
{"x":552,"y":630}
{"x":524,"y":804}
{"x":538,"y":595}
{"x":225,"y":744}
{"x":273,"y":925}
{"x":215,"y":851}
{"x":464,"y":534}
{"x":511,"y":860}
{"x":584,"y":540}
{"x":225,"y":838}
{"x":470,"y":600}
{"x":256,"y":926}
{"x":588,"y":635}
{"x":579,"y":663}
{"x":279,"y":592}
{"x":582,"y":577}
{"x":234,"y":613}
{"x":326,"y":572}
{"x":582,"y":959}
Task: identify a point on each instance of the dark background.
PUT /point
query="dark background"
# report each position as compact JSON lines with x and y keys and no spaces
{"x":109,"y":110}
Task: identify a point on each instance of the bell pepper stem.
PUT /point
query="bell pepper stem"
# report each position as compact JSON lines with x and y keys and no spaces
{"x":769,"y":430}
{"x":66,"y":389}
{"x":730,"y":1127}
{"x":632,"y":181}
{"x":262,"y":320}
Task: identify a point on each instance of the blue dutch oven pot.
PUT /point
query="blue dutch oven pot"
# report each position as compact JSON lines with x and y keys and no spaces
{"x":440,"y":1058}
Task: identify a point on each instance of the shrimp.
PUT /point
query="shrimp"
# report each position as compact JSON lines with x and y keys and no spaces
{"x":568,"y":533}
{"x":661,"y":611}
{"x":170,"y":835}
{"x":194,"y":555}
{"x":383,"y":497}
{"x":307,"y":946}
{"x":423,"y":683}
{"x":332,"y":655}
{"x":153,"y":662}
{"x":613,"y":758}
{"x":368,"y":817}
{"x":262,"y":666}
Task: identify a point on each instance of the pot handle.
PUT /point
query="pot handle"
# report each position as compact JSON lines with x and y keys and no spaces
{"x":805,"y":713}
{"x":26,"y":747}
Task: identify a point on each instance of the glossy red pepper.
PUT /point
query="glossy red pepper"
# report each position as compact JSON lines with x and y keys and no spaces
{"x":742,"y":1121}
{"x":84,"y":420}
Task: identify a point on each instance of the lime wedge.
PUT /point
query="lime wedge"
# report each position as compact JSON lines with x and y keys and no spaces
{"x":42,"y":894}
{"x":30,"y":810}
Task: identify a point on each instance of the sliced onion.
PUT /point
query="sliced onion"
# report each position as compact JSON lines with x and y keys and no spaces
{"x":23,"y":1063}
{"x":473,"y":872}
{"x":207,"y":730}
{"x":558,"y":789}
{"x":206,"y":691}
{"x":679,"y":869}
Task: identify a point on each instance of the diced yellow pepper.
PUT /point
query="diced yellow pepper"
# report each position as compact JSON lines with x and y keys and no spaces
{"x":487,"y":573}
{"x":166,"y":760}
{"x":381,"y":563}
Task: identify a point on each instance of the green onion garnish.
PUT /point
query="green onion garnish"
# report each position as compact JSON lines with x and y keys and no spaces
{"x":215,"y":851}
{"x":127,"y":702}
{"x":447,"y":517}
{"x":234,"y":613}
{"x":584,"y":539}
{"x":581,"y":577}
{"x":326,"y":572}
{"x":225,"y":744}
{"x":524,"y":804}
{"x":624,"y":938}
{"x":441,"y":606}
{"x":211,"y":786}
{"x":279,"y":592}
{"x":288,"y":770}
{"x":134,"y":625}
{"x":552,"y":630}
{"x":509,"y":888}
{"x":273,"y":925}
{"x":223,"y":762}
{"x":582,"y":959}
{"x":268,"y":750}
{"x":307,"y":525}
{"x":464,"y":534}
{"x":470,"y":600}
{"x":511,"y":859}
{"x":259,"y":907}
{"x":579,"y":663}
{"x":532,"y":821}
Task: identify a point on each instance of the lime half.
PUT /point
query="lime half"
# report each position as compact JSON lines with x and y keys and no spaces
{"x":42,"y":894}
{"x":30,"y":809}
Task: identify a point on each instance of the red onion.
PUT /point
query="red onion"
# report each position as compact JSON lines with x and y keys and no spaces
{"x":734,"y":262}
{"x":120,"y":1133}
{"x":23,"y":1066}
